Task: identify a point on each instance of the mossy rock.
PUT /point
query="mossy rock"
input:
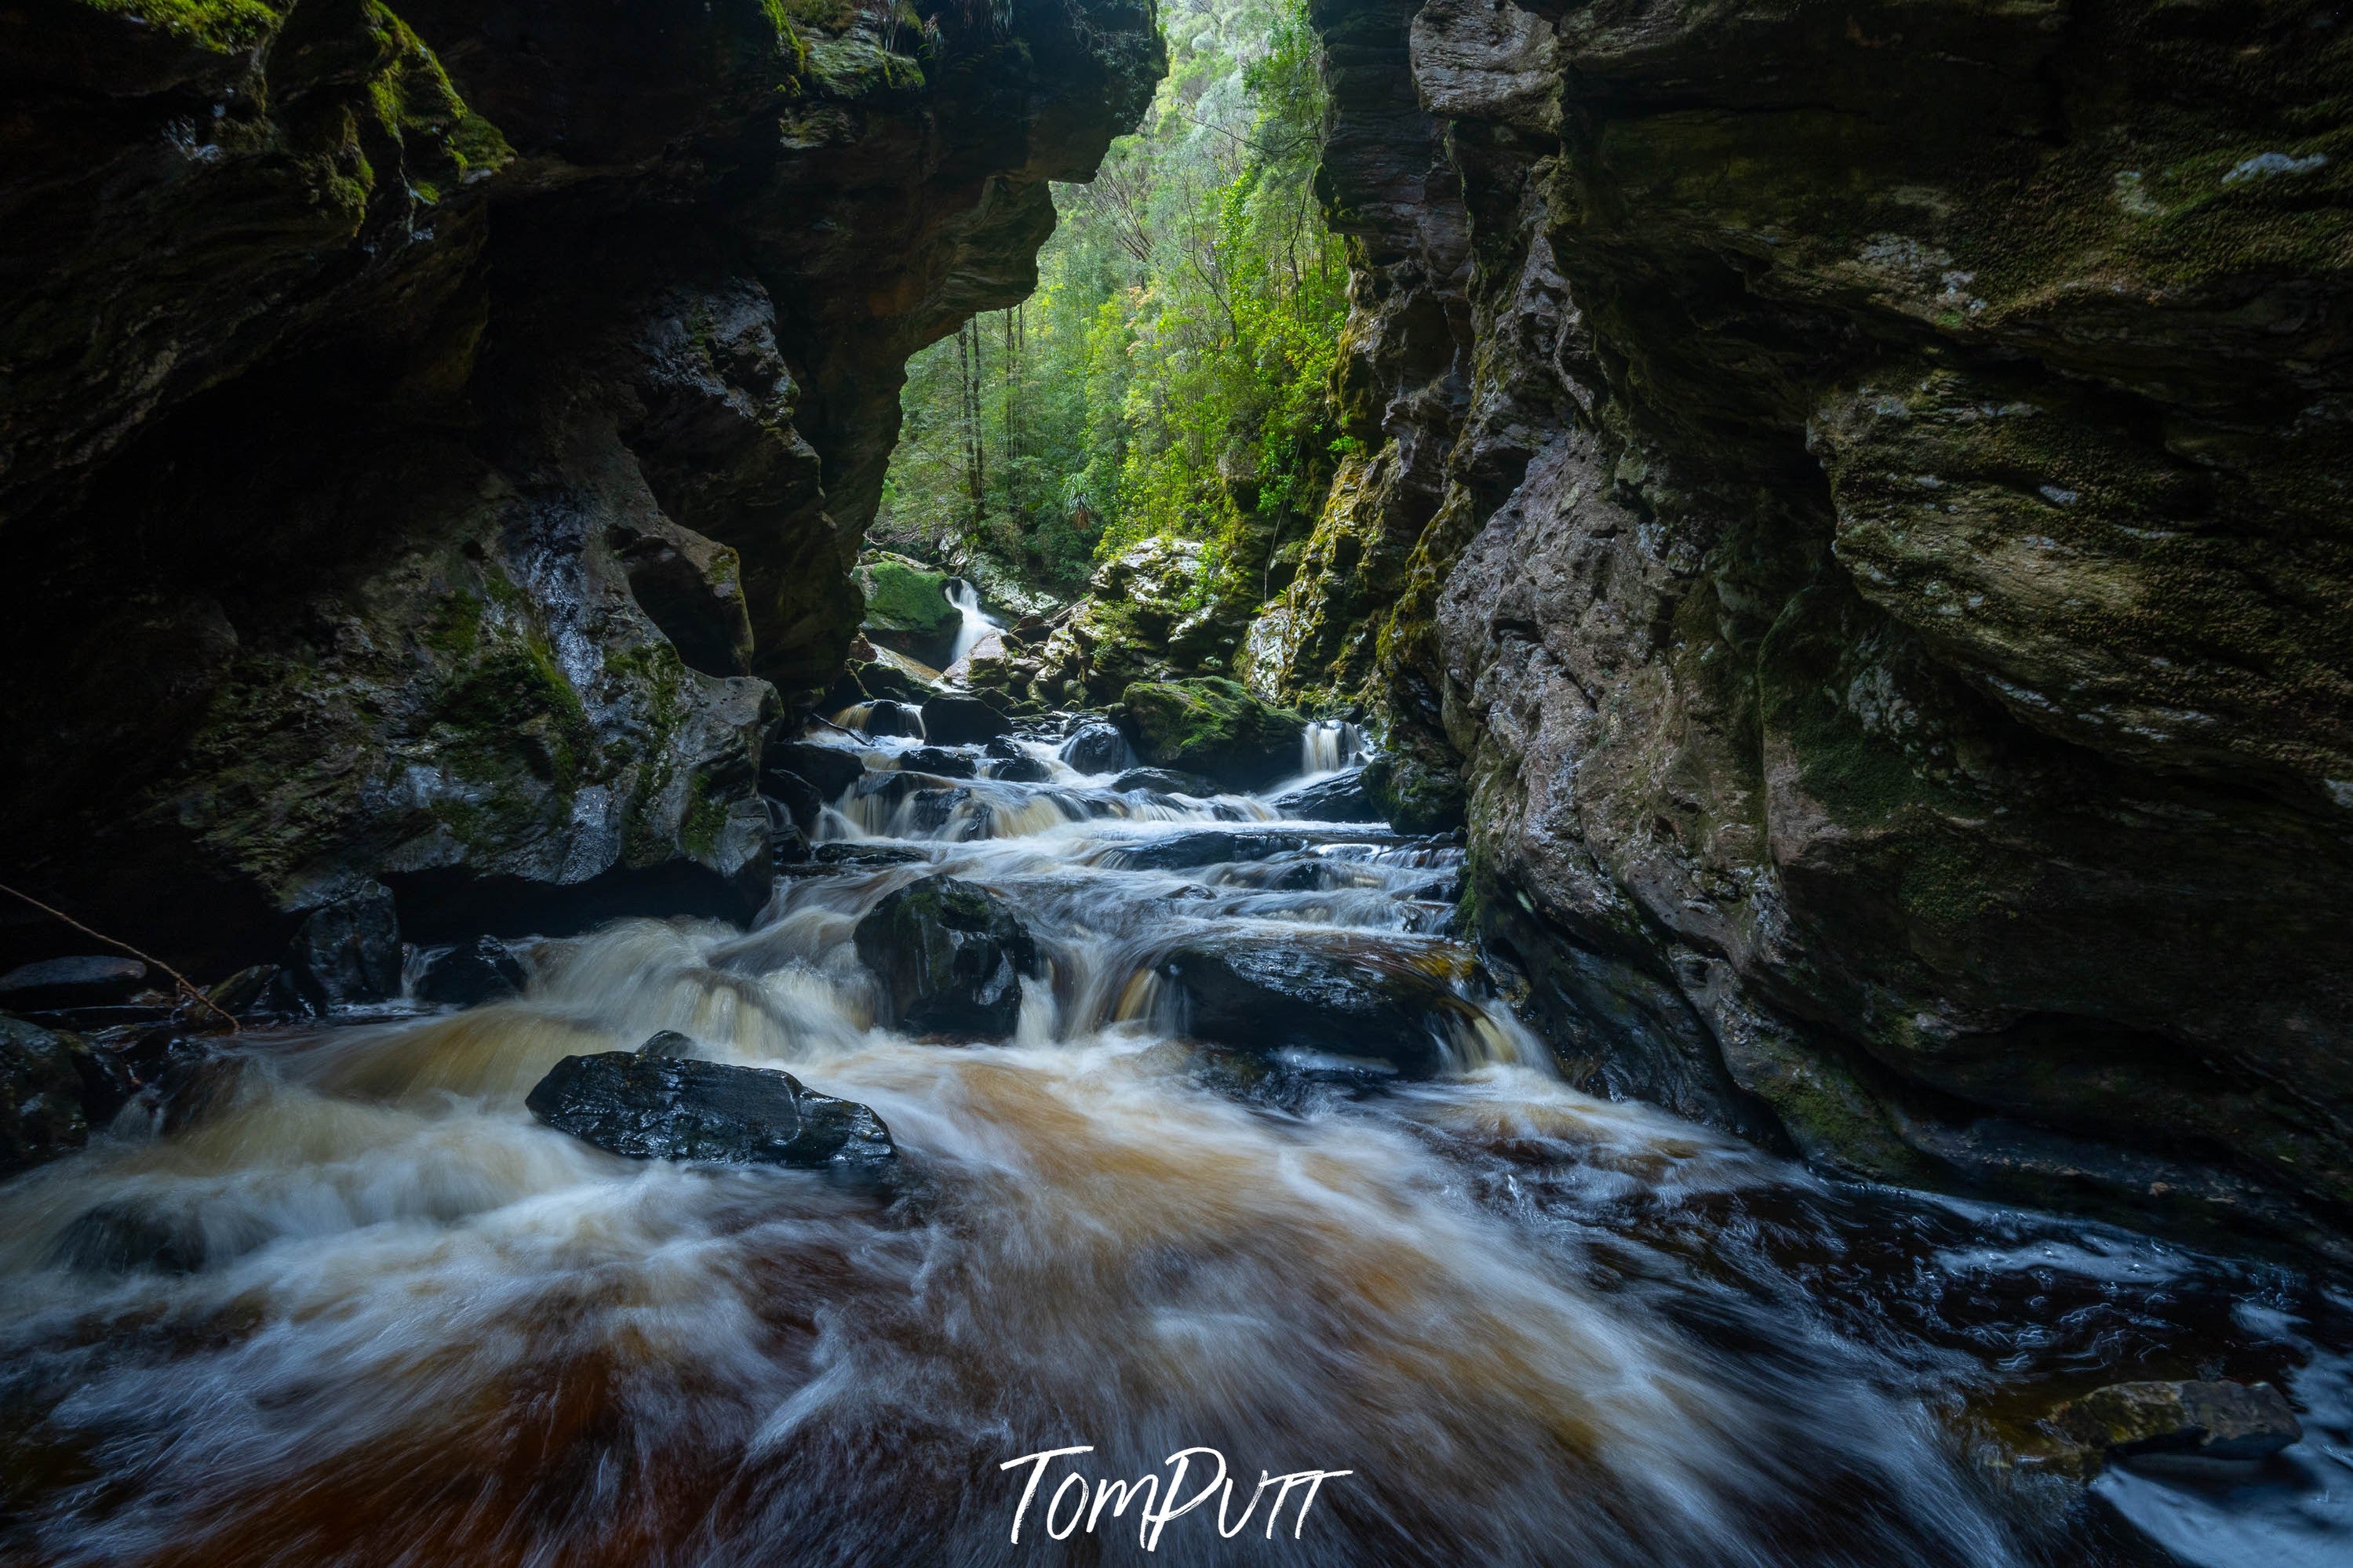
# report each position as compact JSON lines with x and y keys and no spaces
{"x":907,"y":606}
{"x":1412,"y":796}
{"x":1213,"y":727}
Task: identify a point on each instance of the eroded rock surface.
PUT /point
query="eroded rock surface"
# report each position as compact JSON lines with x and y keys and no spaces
{"x":433,"y":436}
{"x":1854,"y":496}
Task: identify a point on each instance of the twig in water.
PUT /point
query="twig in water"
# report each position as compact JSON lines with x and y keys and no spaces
{"x":184,"y":982}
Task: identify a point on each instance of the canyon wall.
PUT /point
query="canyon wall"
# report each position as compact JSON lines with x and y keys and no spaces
{"x":1850,"y":499}
{"x":433,"y":437}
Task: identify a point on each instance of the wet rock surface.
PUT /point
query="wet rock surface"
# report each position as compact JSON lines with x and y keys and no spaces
{"x":655,"y":1107}
{"x":483,"y":969}
{"x":1341,"y":998}
{"x":47,"y":1078}
{"x":950,"y":956}
{"x":82,"y":981}
{"x":1213,"y":727}
{"x":1813,"y":587}
{"x":1096,"y":748}
{"x":371,"y":539}
{"x":2229,"y":1421}
{"x":1340,"y":798}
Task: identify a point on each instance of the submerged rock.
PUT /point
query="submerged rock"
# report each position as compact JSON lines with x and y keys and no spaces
{"x":1213,"y":727}
{"x":1346,"y":997}
{"x":1164,"y":781}
{"x":1096,"y":748}
{"x":950,"y":956}
{"x":1340,"y":798}
{"x":481,"y":971}
{"x":2190,"y":1420}
{"x":651,"y":1107}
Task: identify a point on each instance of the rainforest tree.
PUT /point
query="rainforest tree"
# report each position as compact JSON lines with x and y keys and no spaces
{"x":1169,"y":375}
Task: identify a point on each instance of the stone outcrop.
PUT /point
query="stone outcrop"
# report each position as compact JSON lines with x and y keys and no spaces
{"x":653,"y":1104}
{"x":1854,"y":493}
{"x":432,"y":436}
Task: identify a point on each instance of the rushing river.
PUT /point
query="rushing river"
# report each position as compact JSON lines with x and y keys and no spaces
{"x":412,"y":1326}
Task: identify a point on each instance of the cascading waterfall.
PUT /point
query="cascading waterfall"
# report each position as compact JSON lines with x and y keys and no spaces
{"x":1328,"y":745}
{"x":976,"y":625}
{"x":370,"y":1311}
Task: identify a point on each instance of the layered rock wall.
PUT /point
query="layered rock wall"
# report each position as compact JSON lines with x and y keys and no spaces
{"x":1857,"y":494}
{"x":432,"y":436}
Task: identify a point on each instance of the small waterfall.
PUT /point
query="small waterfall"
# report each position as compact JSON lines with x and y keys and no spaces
{"x":1329,"y":745}
{"x":976,"y":623}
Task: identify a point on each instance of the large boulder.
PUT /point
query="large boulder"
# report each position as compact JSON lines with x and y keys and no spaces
{"x":1213,"y":727}
{"x":962,"y":720}
{"x":907,"y":608}
{"x":1348,"y":996}
{"x":660,"y":1107}
{"x":828,"y":769}
{"x":2197,"y":1420}
{"x":950,"y":956}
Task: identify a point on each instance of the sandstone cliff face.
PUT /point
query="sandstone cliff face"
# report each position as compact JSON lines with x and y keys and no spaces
{"x":1857,"y":492}
{"x":431,"y":437}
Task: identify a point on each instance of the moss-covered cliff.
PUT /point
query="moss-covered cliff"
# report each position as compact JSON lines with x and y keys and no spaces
{"x":432,"y":435}
{"x":1857,"y":491}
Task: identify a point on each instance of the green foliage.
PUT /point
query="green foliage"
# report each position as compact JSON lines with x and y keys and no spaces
{"x":1169,"y":375}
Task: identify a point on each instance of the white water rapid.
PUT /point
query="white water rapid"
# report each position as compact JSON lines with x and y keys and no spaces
{"x":371,"y":1312}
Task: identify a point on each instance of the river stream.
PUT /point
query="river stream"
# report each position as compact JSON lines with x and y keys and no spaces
{"x":406,"y":1324}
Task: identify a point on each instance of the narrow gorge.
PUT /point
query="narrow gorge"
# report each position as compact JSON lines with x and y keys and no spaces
{"x":1580,"y":776}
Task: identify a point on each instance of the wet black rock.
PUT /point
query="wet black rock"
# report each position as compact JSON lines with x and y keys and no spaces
{"x":793,"y":801}
{"x":888,"y":680}
{"x":828,"y":769}
{"x":1164,"y":781}
{"x":859,"y":856}
{"x":348,"y":950}
{"x":2191,"y":1420}
{"x":481,"y":971}
{"x":950,"y":956}
{"x":1340,"y":798}
{"x":668,"y":1045}
{"x":1096,"y":748}
{"x":1019,"y":770}
{"x":944,"y":763}
{"x":669,"y":1107}
{"x":888,"y":717}
{"x":245,"y":992}
{"x":197,"y":1085}
{"x":1349,"y":997}
{"x":87,"y":982}
{"x":1210,"y":846}
{"x":962,"y":720}
{"x":45,"y":1080}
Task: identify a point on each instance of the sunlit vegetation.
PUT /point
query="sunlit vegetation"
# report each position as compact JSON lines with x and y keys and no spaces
{"x":1169,"y":376}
